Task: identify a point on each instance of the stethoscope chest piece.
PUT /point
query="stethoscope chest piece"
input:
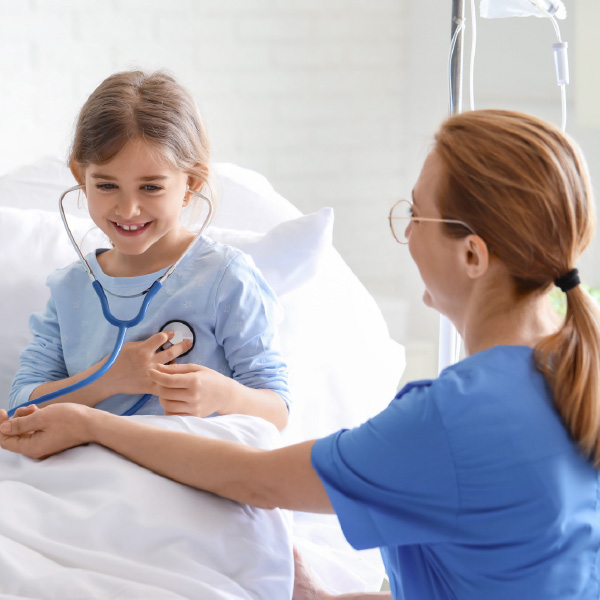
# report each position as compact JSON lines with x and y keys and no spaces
{"x":182,"y":331}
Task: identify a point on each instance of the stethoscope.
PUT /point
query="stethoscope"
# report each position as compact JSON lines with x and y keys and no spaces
{"x":181,"y":329}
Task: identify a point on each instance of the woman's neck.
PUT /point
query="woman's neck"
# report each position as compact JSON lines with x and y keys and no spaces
{"x":509,"y":320}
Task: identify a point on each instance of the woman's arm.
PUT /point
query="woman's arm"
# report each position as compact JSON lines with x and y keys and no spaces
{"x":264,"y":478}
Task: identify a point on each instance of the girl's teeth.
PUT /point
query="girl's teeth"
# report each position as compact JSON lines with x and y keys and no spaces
{"x":130,"y":227}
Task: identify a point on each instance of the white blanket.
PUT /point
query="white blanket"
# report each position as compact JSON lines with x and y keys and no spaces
{"x":88,"y":524}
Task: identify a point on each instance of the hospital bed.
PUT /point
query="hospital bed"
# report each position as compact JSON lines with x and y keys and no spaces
{"x":89,"y":524}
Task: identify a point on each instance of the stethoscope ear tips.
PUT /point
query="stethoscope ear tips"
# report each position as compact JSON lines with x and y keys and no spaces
{"x":182,"y":331}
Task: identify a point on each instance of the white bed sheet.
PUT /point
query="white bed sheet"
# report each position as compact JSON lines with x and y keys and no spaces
{"x":89,"y":524}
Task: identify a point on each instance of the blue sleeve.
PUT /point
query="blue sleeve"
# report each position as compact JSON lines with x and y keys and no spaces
{"x":247,"y":316}
{"x":42,"y":360}
{"x":392,"y":481}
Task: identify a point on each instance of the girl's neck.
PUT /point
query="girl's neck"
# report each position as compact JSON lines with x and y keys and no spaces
{"x":117,"y":264}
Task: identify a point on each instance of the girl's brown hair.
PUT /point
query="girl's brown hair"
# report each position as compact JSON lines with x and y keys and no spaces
{"x":152,"y":106}
{"x":524,"y":187}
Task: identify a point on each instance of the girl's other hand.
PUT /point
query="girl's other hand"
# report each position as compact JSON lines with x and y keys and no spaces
{"x":129,"y":374}
{"x":190,"y":390}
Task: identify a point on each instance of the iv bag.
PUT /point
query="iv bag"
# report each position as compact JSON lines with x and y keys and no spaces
{"x":498,"y":9}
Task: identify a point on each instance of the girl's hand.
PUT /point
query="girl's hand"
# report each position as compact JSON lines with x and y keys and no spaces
{"x":191,"y":390}
{"x":129,"y":374}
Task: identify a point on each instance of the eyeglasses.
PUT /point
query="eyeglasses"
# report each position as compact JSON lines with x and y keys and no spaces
{"x":401,"y":215}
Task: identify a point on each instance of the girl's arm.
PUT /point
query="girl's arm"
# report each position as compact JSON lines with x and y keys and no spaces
{"x":243,"y":312}
{"x":128,"y":375}
{"x":43,"y":369}
{"x":190,"y":389}
{"x":264,"y":478}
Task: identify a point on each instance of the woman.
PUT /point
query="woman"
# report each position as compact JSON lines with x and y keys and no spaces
{"x":481,"y":483}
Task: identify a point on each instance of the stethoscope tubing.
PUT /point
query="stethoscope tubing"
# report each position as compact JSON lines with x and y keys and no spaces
{"x":122,"y":325}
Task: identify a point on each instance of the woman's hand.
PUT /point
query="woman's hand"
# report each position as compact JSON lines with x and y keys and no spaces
{"x":129,"y":374}
{"x":191,"y":390}
{"x":41,"y":432}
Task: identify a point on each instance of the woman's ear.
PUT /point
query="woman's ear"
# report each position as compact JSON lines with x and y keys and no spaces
{"x":476,"y":256}
{"x":78,"y":171}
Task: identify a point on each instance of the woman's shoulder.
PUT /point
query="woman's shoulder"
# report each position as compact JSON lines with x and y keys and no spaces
{"x":486,"y":386}
{"x":478,"y":373}
{"x":489,"y":368}
{"x":494,"y":390}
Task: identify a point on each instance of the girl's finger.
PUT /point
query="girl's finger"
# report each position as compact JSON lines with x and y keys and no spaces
{"x":158,"y":340}
{"x":158,"y":377}
{"x":166,"y":356}
{"x":176,"y":394}
{"x":167,"y":379}
{"x":176,"y":368}
{"x":173,"y":407}
{"x":178,"y":414}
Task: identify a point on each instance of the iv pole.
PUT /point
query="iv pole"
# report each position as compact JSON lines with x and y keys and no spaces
{"x":449,"y":339}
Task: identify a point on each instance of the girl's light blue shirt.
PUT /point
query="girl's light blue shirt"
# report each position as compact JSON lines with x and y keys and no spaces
{"x":471,"y":487}
{"x":216,"y":289}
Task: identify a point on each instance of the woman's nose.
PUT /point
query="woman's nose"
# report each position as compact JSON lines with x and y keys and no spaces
{"x":408,"y":230}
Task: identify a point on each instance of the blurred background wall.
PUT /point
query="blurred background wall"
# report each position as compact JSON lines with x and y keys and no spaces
{"x":334,"y":101}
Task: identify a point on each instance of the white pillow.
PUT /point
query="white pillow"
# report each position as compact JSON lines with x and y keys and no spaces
{"x":288,"y":254}
{"x":343,"y":365}
{"x":246,"y":200}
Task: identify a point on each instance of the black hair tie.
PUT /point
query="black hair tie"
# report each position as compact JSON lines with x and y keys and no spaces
{"x":569,"y":281}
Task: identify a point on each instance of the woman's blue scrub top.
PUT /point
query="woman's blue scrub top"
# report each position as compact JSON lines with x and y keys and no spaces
{"x":471,"y":486}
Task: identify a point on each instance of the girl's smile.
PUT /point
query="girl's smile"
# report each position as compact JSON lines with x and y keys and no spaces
{"x":131,"y":229}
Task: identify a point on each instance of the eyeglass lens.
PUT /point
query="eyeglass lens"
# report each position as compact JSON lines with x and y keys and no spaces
{"x":400,"y":220}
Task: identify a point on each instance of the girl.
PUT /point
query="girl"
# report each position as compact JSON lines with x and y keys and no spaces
{"x":481,"y":484}
{"x":141,"y":151}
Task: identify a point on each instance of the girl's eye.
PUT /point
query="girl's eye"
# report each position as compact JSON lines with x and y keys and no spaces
{"x":151,"y":188}
{"x":106,"y":186}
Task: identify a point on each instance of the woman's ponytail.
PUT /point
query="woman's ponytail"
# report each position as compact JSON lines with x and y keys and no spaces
{"x":570,"y":360}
